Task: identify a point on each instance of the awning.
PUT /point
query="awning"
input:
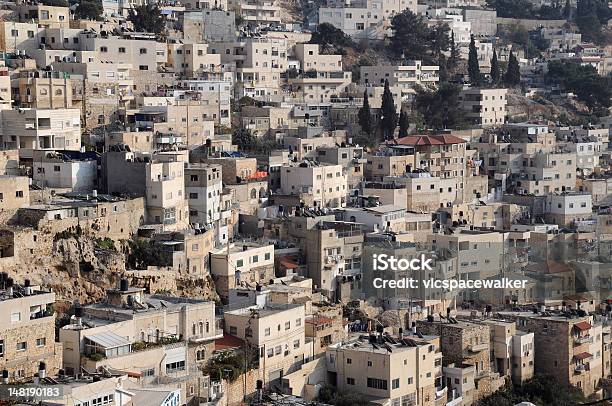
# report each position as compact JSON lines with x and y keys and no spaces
{"x":583,"y":326}
{"x":108,"y":340}
{"x":583,"y":355}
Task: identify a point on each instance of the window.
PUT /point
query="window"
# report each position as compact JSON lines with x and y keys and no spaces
{"x":19,"y":193}
{"x":175,"y":366}
{"x":267,"y":331}
{"x":40,"y":342}
{"x":143,"y":51}
{"x":395,"y":383}
{"x":350,"y":381}
{"x":143,"y":67}
{"x":296,"y":344}
{"x":287,"y":325}
{"x":233,"y":330}
{"x":15,"y":317}
{"x":239,"y":263}
{"x":22,"y":346}
{"x":349,"y":360}
{"x":103,"y":49}
{"x":1,"y":348}
{"x":298,"y":322}
{"x":267,"y":256}
{"x":255,"y":258}
{"x":270,"y":352}
{"x":376,"y":383}
{"x":369,"y":363}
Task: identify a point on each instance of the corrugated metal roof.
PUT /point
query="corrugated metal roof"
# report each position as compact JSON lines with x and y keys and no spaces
{"x":108,"y":340}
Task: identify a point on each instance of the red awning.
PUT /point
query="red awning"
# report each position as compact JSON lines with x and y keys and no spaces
{"x":583,"y":326}
{"x":583,"y":355}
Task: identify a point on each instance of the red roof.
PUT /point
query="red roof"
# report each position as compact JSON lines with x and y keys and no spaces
{"x":583,"y":355}
{"x":442,"y":139}
{"x":288,"y":263}
{"x":583,"y":325}
{"x":228,"y":342}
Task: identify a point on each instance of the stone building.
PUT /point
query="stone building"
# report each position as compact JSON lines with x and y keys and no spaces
{"x":27,"y":330}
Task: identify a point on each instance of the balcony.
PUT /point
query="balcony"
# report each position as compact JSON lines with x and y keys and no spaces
{"x":579,"y":340}
{"x":580,"y":368}
{"x":441,"y":392}
{"x":477,"y":347}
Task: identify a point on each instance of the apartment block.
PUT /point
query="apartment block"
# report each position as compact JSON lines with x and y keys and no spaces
{"x":241,"y":264}
{"x":276,"y":333}
{"x":368,"y":19}
{"x":568,"y":348}
{"x":389,"y":370}
{"x":72,"y":170}
{"x":318,"y":185}
{"x":407,"y":76}
{"x":14,"y":192}
{"x":147,"y":335}
{"x":32,"y":129}
{"x":27,"y":330}
{"x":464,"y":346}
{"x":484,"y":107}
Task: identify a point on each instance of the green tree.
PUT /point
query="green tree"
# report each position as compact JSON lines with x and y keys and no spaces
{"x":590,"y":88}
{"x":495,"y":69}
{"x":327,"y":35}
{"x":365,"y":115}
{"x":410,"y":36}
{"x":55,"y":3}
{"x":439,"y":109}
{"x":512,"y":8}
{"x":473,"y":66}
{"x":244,"y":139}
{"x":439,"y":40}
{"x":404,"y":124}
{"x":388,"y":113}
{"x":89,"y":10}
{"x":147,"y":18}
{"x":567,"y":10}
{"x":453,"y":58}
{"x":512,"y":78}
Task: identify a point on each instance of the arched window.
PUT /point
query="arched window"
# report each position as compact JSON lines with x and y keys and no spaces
{"x":253,"y":193}
{"x":207,"y":327}
{"x":201,"y":328}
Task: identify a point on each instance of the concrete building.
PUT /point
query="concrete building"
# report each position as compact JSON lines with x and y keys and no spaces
{"x":407,"y":76}
{"x":484,"y":107}
{"x":512,"y":350}
{"x":14,"y":192}
{"x":567,"y":209}
{"x":30,"y":129}
{"x":388,"y":371}
{"x":151,"y":336}
{"x":317,"y":185}
{"x":241,"y":264}
{"x":321,"y":76}
{"x":276,"y":333}
{"x":42,"y":90}
{"x":27,"y":331}
{"x":367,"y":19}
{"x":572,"y":354}
{"x":465,"y":345}
{"x":75,"y":171}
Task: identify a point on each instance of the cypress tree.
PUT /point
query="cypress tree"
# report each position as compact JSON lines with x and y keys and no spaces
{"x":404,"y":123}
{"x":495,"y":72}
{"x":388,"y":113}
{"x":513,"y":73}
{"x":473,"y":67}
{"x":365,"y":115}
